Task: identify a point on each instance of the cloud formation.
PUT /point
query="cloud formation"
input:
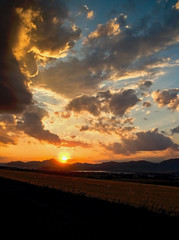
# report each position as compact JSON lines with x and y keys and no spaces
{"x":117,"y":103}
{"x":122,"y":102}
{"x":35,"y":46}
{"x":14,"y":93}
{"x":33,"y":32}
{"x":85,"y":103}
{"x":31,"y":124}
{"x":37,"y":34}
{"x":112,"y":52}
{"x":109,"y":125}
{"x":150,"y":140}
{"x":112,"y":27}
{"x":7,"y":130}
{"x":167,"y":97}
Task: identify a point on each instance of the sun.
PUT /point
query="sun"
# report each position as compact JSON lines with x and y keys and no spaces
{"x":64,"y":159}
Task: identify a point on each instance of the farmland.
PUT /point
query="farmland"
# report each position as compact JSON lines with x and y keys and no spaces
{"x":29,"y":210}
{"x":152,"y":197}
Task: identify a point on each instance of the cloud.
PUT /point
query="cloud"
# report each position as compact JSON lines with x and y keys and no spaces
{"x":7,"y":119}
{"x":14,"y":93}
{"x":89,"y":13}
{"x":113,"y":52}
{"x":25,"y":45}
{"x":175,"y":130}
{"x":85,"y":103}
{"x":156,"y":37}
{"x":117,"y":103}
{"x":167,"y":97}
{"x":123,"y":101}
{"x":109,"y":125}
{"x":177,"y":5}
{"x":108,"y":29}
{"x":35,"y":46}
{"x":150,"y":140}
{"x":65,"y":115}
{"x":144,"y":85}
{"x":7,"y":129}
{"x":31,"y":124}
{"x":72,"y":144}
{"x":121,"y":19}
{"x":70,"y":78}
{"x":5,"y":138}
{"x":146,"y":104}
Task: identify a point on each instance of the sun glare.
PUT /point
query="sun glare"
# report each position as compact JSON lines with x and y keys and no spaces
{"x":64,"y":159}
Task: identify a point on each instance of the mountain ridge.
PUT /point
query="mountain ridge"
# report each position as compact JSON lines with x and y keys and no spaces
{"x":170,"y":165}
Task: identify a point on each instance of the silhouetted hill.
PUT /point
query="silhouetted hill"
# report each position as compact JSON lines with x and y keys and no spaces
{"x":171,"y":165}
{"x":17,"y":164}
{"x":51,"y":163}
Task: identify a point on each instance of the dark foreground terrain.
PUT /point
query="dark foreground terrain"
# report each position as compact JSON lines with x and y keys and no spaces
{"x":29,"y":210}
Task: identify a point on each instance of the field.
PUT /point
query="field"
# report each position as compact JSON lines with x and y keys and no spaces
{"x":156,"y":198}
{"x":29,"y":212}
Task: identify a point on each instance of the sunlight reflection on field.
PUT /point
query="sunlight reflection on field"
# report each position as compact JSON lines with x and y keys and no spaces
{"x":154,"y":197}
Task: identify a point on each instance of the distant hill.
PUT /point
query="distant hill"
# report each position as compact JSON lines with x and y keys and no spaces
{"x":46,"y":164}
{"x":171,"y":165}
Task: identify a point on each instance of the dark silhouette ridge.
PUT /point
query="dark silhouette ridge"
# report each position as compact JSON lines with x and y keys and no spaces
{"x":170,"y":165}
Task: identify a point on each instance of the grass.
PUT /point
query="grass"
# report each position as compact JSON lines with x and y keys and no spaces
{"x":153,"y":197}
{"x":30,"y":211}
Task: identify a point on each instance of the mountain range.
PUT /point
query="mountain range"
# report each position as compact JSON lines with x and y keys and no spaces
{"x":170,"y":165}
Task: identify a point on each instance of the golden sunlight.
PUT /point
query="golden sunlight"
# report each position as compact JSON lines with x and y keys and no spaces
{"x":63,"y":159}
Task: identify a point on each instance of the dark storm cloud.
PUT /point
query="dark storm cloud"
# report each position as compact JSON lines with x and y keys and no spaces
{"x":150,"y":140}
{"x":116,"y":103}
{"x":31,"y":32}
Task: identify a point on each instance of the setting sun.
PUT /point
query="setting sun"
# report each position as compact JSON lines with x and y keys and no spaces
{"x":63,"y":159}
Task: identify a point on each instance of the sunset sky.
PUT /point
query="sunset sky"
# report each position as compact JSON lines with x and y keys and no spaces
{"x":92,"y":80}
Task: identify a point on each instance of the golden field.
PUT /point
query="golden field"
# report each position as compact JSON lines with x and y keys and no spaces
{"x":153,"y":197}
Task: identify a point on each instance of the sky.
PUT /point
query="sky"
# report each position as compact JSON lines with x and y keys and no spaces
{"x":92,"y":80}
